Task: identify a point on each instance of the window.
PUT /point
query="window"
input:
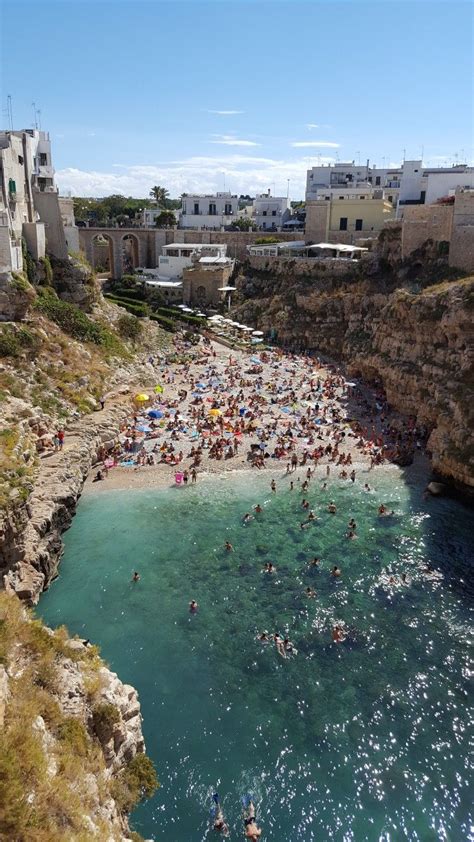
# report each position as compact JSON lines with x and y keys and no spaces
{"x":361,"y":197}
{"x":369,"y":179}
{"x":358,"y":225}
{"x":274,"y":213}
{"x":377,"y":180}
{"x":228,"y":210}
{"x":43,"y":159}
{"x":264,"y":213}
{"x":423,"y":197}
{"x":390,"y":198}
{"x":212,"y":209}
{"x":341,"y":197}
{"x":20,"y":159}
{"x":343,"y":223}
{"x":196,"y":208}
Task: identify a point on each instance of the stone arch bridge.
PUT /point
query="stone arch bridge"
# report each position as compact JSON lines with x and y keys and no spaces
{"x":124,"y":248}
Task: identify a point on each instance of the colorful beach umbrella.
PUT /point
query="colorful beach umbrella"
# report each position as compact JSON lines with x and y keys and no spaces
{"x":215,"y":412}
{"x":158,"y":389}
{"x":141,"y":398}
{"x":155,"y":413}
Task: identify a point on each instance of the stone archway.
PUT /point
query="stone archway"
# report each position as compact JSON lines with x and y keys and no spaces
{"x":130,"y":253}
{"x":201,"y":295}
{"x":102,"y":256}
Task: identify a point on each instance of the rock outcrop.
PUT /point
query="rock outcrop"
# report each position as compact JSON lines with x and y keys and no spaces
{"x":420,"y":344}
{"x":80,"y":736}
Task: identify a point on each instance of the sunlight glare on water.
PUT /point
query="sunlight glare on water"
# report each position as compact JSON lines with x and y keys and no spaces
{"x":365,"y":740}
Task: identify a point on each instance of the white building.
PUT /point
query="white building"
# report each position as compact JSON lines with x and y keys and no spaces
{"x":209,"y":211}
{"x":406,"y":185}
{"x":178,"y":256}
{"x":271,"y":212}
{"x":425,"y":185}
{"x":149,"y":216}
{"x":327,"y":181}
{"x":29,"y":201}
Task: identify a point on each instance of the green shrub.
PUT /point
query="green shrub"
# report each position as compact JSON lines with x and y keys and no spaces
{"x":129,"y":327}
{"x":134,"y":307}
{"x":28,"y":262}
{"x":121,"y":291}
{"x":48,"y":270}
{"x":9,"y":344}
{"x":135,"y":783}
{"x":73,"y":732}
{"x":104,"y":717}
{"x":164,"y":322}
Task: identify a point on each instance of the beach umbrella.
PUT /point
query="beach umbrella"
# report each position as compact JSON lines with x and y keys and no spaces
{"x":155,"y":413}
{"x":142,"y":428}
{"x":158,"y":389}
{"x":215,"y":412}
{"x":141,"y":398}
{"x":256,"y":340}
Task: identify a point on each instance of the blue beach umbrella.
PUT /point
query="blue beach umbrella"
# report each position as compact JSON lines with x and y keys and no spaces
{"x":142,"y":428}
{"x":155,"y":413}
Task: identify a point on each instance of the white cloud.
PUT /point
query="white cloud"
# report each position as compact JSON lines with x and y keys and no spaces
{"x":199,"y":174}
{"x":224,"y":112}
{"x":312,"y":126}
{"x":228,"y":140}
{"x":319,"y":144}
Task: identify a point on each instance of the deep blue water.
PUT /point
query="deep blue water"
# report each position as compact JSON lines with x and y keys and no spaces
{"x":365,"y":740}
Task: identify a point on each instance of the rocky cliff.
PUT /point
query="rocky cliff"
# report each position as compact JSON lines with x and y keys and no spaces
{"x":72,"y":760}
{"x":420,"y":344}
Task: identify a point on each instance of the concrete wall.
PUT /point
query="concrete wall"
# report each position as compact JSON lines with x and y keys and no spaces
{"x":35,"y":237}
{"x":440,"y":184}
{"x":425,"y":222}
{"x":11,"y":259}
{"x":461,"y":252}
{"x":47,"y":205}
{"x":317,"y":221}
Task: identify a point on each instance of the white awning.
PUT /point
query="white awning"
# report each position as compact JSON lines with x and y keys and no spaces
{"x":165,"y":284}
{"x":227,"y":289}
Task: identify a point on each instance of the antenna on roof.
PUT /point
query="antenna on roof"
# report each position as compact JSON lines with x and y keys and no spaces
{"x":35,"y":117}
{"x":10,"y":111}
{"x":404,"y":155}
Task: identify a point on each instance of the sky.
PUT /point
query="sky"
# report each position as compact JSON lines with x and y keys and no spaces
{"x":239,"y":95}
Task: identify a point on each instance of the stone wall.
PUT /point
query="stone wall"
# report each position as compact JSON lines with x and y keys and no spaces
{"x":461,"y":252}
{"x":302,"y":265}
{"x":201,"y":286}
{"x":425,"y":222}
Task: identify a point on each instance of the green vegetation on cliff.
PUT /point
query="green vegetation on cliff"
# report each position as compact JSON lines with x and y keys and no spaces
{"x":48,"y":756}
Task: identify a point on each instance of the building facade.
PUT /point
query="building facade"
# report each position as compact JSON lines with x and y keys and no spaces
{"x":271,"y":212}
{"x":176,"y":257}
{"x":209,"y":211}
{"x":347,"y":218}
{"x":29,"y":200}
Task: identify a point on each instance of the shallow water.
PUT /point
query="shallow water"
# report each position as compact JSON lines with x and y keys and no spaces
{"x":366,"y":740}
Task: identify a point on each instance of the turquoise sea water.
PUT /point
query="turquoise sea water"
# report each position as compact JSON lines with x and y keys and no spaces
{"x":366,"y":740}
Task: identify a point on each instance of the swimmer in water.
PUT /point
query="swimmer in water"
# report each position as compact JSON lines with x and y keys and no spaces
{"x":193,"y":606}
{"x":384,"y":511}
{"x":247,"y":517}
{"x":351,"y":534}
{"x":264,"y":637}
{"x":367,"y":487}
{"x":273,"y":485}
{"x":279,"y":645}
{"x":219,"y":821}
{"x":336,"y":572}
{"x":269,"y":567}
{"x":338,"y":634}
{"x":310,"y":593}
{"x":352,"y":524}
{"x":136,"y":577}
{"x":228,"y":546}
{"x":258,"y":508}
{"x":332,"y":508}
{"x":314,"y":562}
{"x":252,"y":831}
{"x":288,"y":647}
{"x":311,"y":515}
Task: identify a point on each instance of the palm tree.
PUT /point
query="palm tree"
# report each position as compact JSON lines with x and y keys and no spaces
{"x":159,"y":194}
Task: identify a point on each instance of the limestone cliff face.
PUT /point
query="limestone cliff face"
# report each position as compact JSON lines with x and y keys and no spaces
{"x":74,"y":731}
{"x":419,"y":344}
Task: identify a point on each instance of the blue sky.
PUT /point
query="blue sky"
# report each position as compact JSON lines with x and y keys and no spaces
{"x":247,"y":93}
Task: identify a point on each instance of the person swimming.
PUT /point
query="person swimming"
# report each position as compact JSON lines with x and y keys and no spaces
{"x":228,"y":546}
{"x":258,"y":508}
{"x":352,"y":524}
{"x":269,"y":567}
{"x":252,"y":831}
{"x":136,"y":577}
{"x":314,"y":562}
{"x":336,"y":571}
{"x":193,"y":606}
{"x":219,"y":823}
{"x":310,"y":593}
{"x":332,"y":509}
{"x":338,"y":634}
{"x":384,"y":511}
{"x":247,"y":517}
